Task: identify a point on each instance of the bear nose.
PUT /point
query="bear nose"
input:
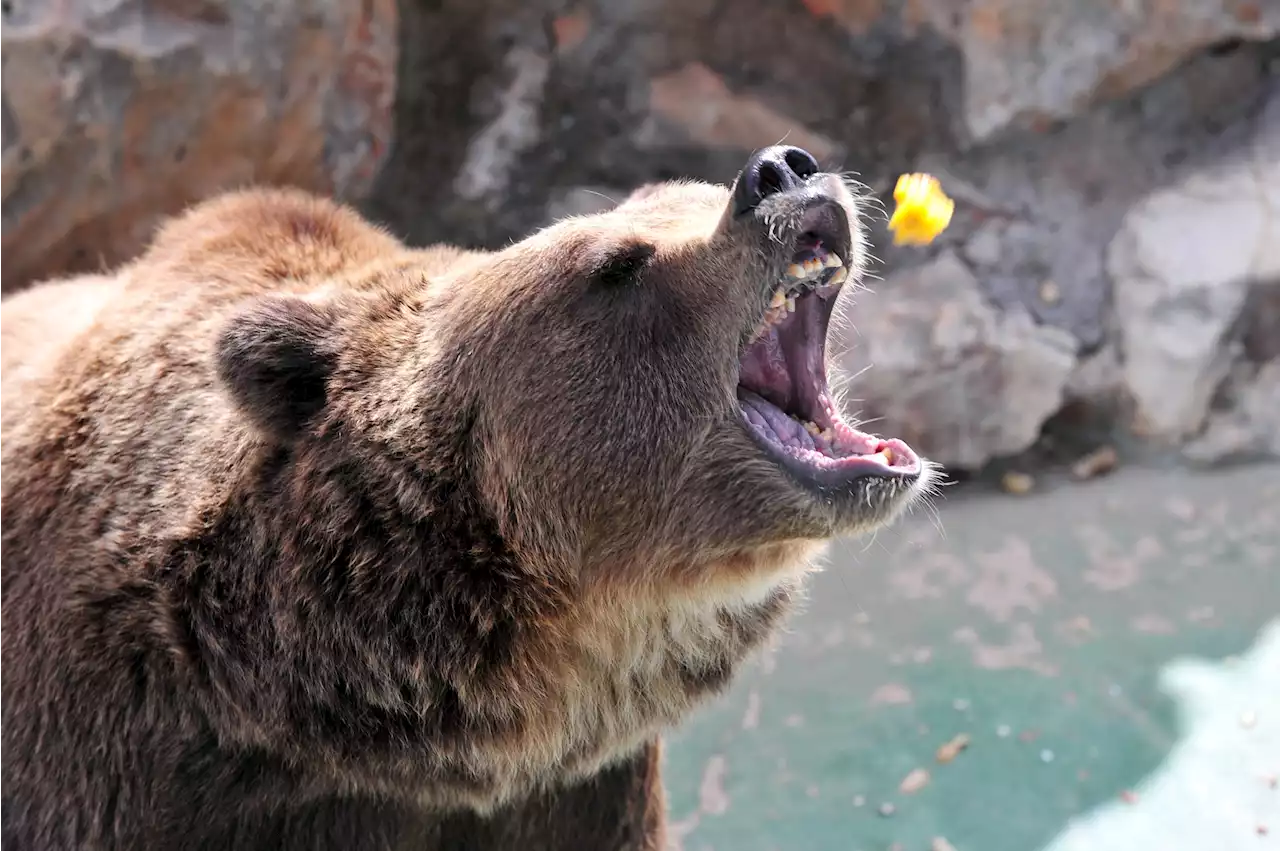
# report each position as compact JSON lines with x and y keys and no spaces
{"x":770,"y":171}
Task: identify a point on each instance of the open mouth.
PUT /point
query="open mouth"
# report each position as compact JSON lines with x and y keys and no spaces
{"x":782,"y":384}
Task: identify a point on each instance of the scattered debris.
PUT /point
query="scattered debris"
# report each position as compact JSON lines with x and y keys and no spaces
{"x":1097,"y":463}
{"x":859,"y":800}
{"x":886,"y":809}
{"x":1017,"y":483}
{"x":1046,"y":755}
{"x":1050,"y":292}
{"x":1272,"y":781}
{"x":941,"y":844}
{"x":1028,"y":736}
{"x":1004,"y":731}
{"x":916,"y":780}
{"x":1129,"y":796}
{"x":951,"y":749}
{"x":959,"y":704}
{"x":1248,"y":720}
{"x":1114,"y":690}
{"x":1262,"y":830}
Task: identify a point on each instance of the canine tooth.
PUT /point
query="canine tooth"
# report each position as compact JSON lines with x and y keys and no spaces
{"x":833,"y":261}
{"x":779,"y":298}
{"x":882,"y":457}
{"x":813,"y":264}
{"x":888,"y":455}
{"x":791,"y":305}
{"x":839,"y":276}
{"x":795,"y":270}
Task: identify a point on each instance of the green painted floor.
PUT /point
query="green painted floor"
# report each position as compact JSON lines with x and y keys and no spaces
{"x":1104,"y":646}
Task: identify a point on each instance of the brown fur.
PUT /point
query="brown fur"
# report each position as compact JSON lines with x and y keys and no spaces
{"x":312,"y":538}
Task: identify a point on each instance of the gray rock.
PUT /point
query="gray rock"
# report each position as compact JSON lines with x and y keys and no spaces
{"x":1227,"y":436}
{"x":986,"y":244}
{"x":960,"y":380}
{"x":120,"y":112}
{"x":1261,"y":405}
{"x":1182,"y":265}
{"x":1030,"y":62}
{"x":1096,"y":378}
{"x":506,"y":113}
{"x":1251,"y":428}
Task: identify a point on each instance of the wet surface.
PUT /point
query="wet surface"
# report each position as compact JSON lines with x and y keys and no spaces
{"x":1054,"y":631}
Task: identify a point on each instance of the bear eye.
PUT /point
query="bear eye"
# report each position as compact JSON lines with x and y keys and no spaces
{"x":623,"y":265}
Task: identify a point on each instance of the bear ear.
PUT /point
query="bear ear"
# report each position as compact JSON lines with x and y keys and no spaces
{"x":276,"y":358}
{"x":622,"y":264}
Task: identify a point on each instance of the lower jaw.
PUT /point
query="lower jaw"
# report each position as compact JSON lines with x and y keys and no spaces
{"x":827,"y":450}
{"x":825,"y":437}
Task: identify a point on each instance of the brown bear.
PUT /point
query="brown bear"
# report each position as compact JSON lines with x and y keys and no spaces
{"x":312,"y":540}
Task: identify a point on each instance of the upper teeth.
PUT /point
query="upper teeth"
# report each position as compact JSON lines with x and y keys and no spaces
{"x":783,"y":300}
{"x":815,"y":266}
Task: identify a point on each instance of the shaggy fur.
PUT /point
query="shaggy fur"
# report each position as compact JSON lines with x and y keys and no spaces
{"x":312,"y":540}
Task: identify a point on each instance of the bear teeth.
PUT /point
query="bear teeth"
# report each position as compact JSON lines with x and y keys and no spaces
{"x":825,"y":269}
{"x":812,"y":268}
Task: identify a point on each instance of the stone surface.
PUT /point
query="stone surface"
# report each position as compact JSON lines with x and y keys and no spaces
{"x":960,"y":380}
{"x":1249,"y":428}
{"x":1183,"y":264}
{"x":1047,"y":121}
{"x":1261,"y":406}
{"x":1031,"y":62}
{"x":117,"y":112}
{"x":1028,"y":63}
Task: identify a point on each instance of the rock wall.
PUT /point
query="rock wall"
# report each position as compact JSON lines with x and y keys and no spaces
{"x":1115,"y":164}
{"x":119,"y":112}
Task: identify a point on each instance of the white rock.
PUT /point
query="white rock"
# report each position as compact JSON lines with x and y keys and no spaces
{"x":960,"y":380}
{"x":1182,"y":264}
{"x":1261,"y":404}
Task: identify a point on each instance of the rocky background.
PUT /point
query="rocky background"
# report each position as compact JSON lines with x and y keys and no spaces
{"x":1112,"y":274}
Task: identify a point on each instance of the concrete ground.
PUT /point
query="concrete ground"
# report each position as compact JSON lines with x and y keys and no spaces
{"x":1110,"y":651}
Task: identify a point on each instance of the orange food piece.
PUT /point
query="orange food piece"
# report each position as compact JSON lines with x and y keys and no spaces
{"x":922,"y":210}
